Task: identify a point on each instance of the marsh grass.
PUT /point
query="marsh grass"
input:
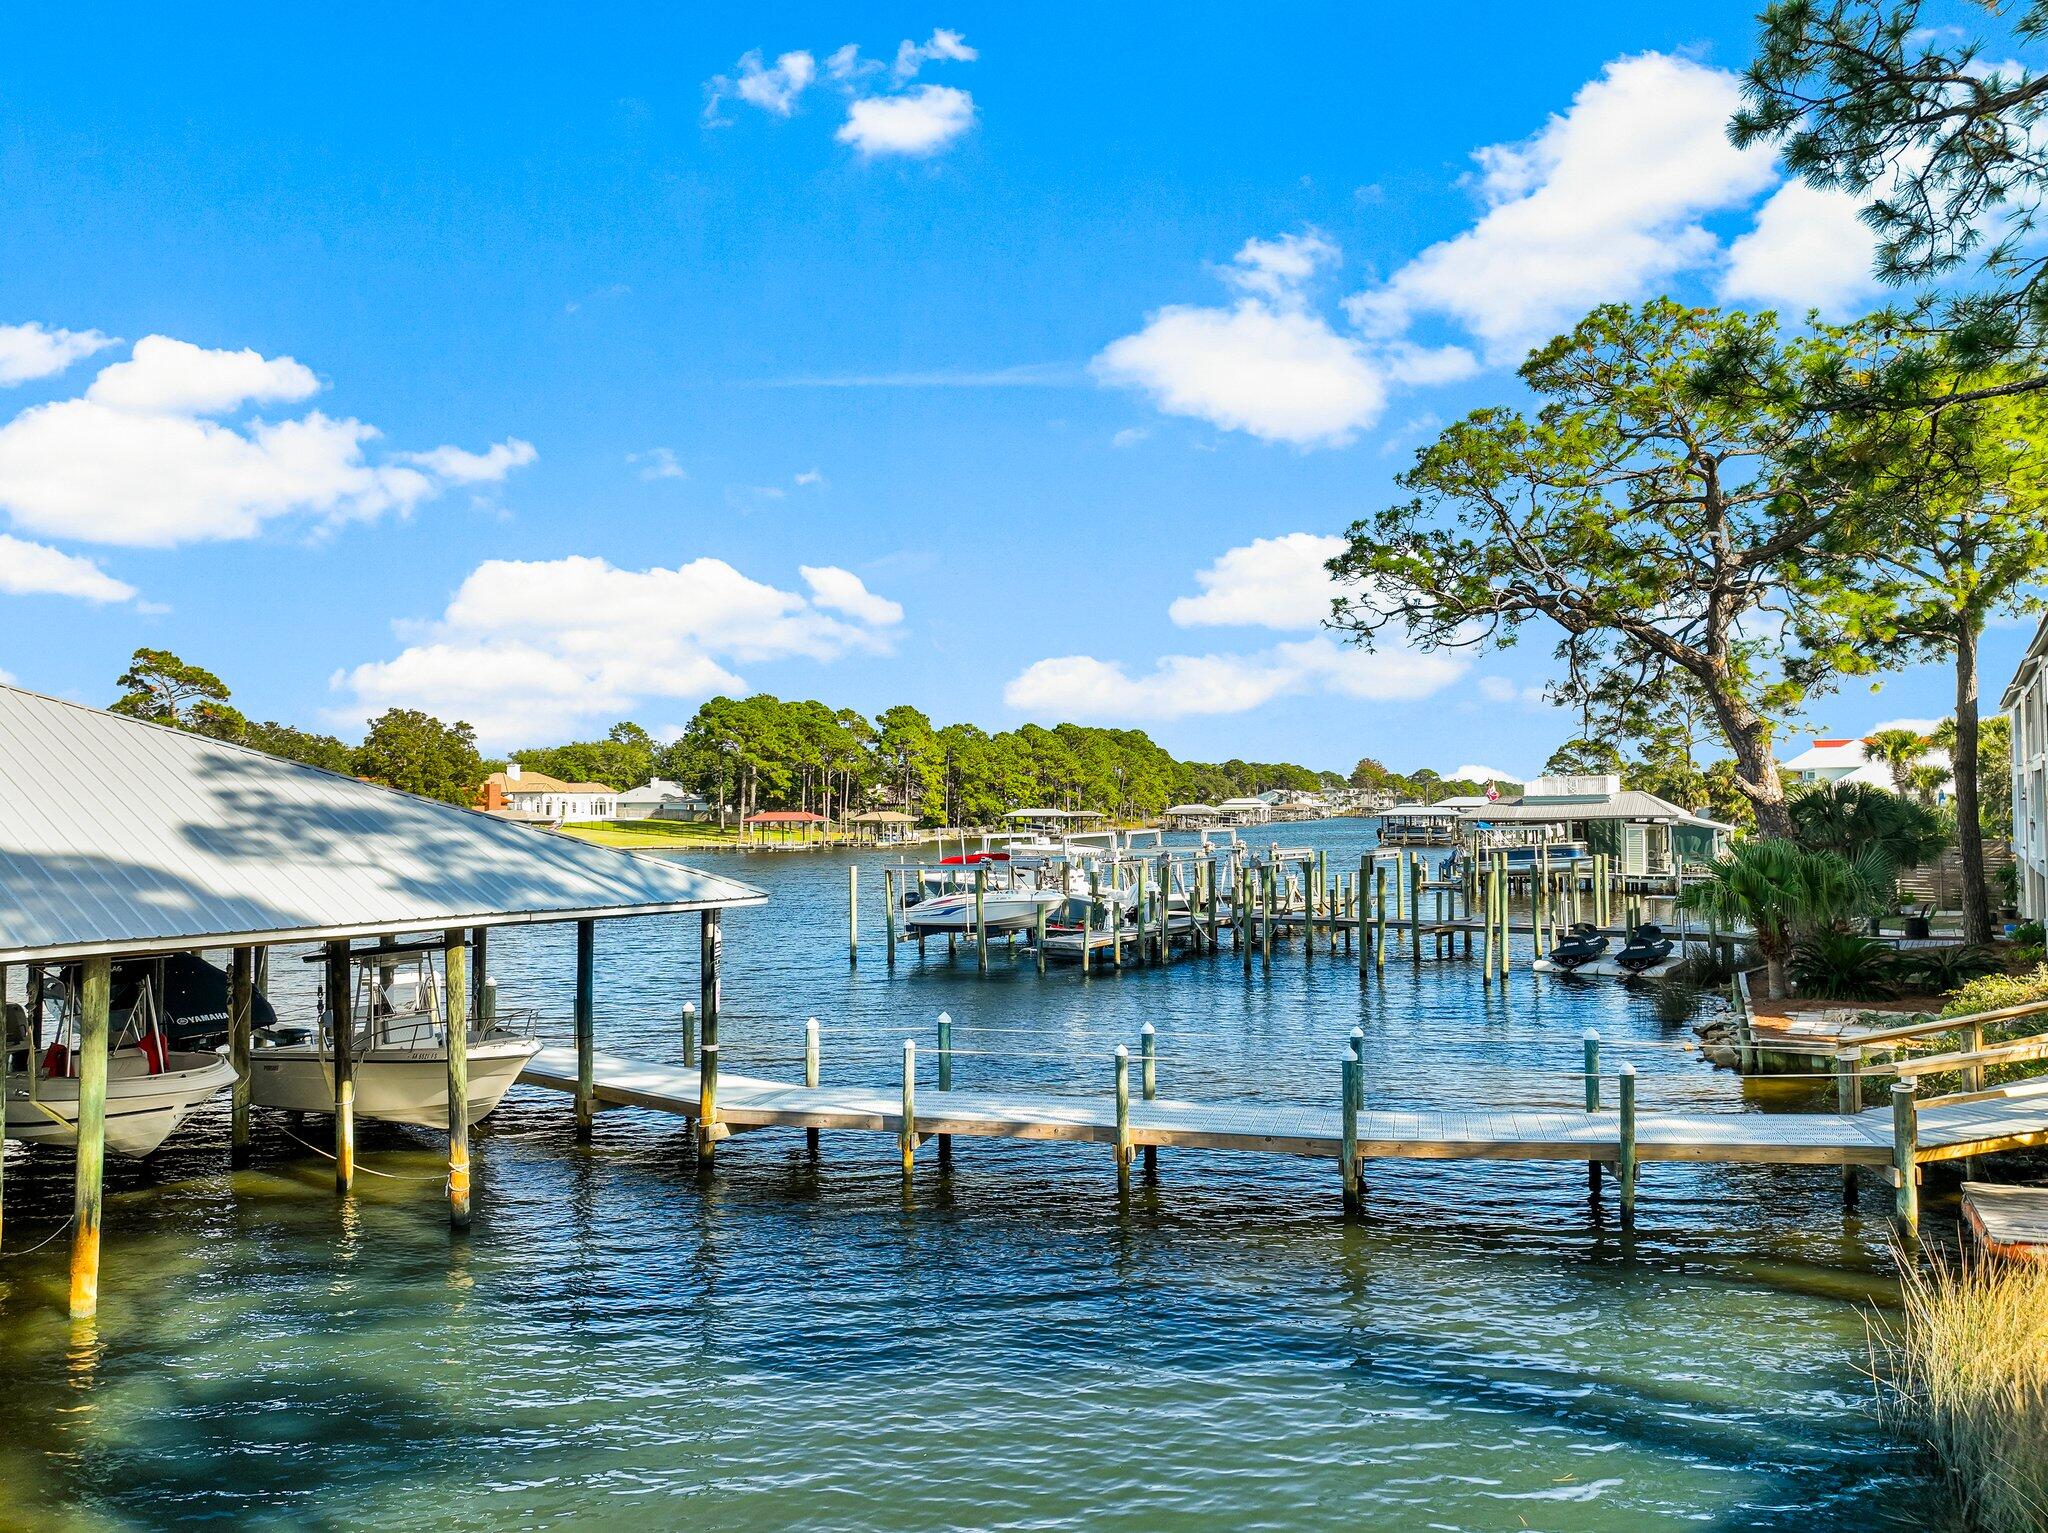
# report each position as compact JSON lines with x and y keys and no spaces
{"x":1964,"y":1368}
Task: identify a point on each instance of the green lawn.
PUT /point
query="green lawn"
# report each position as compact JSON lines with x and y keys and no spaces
{"x":653,"y":833}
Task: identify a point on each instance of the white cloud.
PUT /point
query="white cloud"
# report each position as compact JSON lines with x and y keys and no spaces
{"x":845,"y":64}
{"x":809,"y":477}
{"x":1278,"y":270}
{"x":135,"y":460}
{"x":658,"y":463}
{"x":1500,"y":689}
{"x":33,"y":351}
{"x":1426,"y":366}
{"x":1918,"y":726}
{"x":487,"y":467}
{"x":911,"y":57}
{"x":1473,"y":773}
{"x":1600,"y":205}
{"x":1130,"y":436}
{"x":841,"y":591}
{"x":1279,"y":374}
{"x":918,"y":122}
{"x":1269,"y":583}
{"x":528,"y":651}
{"x":1809,"y":249}
{"x":774,"y":88}
{"x":1181,"y":686}
{"x":35,"y":568}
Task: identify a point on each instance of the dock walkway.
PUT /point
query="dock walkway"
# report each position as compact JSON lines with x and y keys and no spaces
{"x":1994,"y":1120}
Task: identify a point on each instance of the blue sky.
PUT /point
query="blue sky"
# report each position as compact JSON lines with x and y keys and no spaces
{"x":545,"y":371}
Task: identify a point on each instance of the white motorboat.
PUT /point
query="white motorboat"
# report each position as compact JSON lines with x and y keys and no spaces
{"x":150,"y":1086}
{"x":1001,"y":910}
{"x":398,"y":1048}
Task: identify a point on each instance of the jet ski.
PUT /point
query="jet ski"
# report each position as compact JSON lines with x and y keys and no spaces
{"x":1581,"y":945}
{"x":1647,"y":946}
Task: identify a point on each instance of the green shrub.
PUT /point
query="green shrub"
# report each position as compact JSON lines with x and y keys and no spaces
{"x":1845,"y":966}
{"x":1942,"y":969}
{"x":1995,"y":991}
{"x":2030,"y":934}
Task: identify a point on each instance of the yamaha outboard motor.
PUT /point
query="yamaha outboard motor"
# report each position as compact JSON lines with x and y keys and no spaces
{"x":1581,"y":946}
{"x":1647,"y":946}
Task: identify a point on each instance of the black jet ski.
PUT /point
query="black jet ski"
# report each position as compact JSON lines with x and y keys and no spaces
{"x":1647,"y":946}
{"x":1581,"y":945}
{"x":191,"y":996}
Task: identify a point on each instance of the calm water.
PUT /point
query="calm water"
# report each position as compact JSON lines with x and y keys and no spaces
{"x":799,"y":1344}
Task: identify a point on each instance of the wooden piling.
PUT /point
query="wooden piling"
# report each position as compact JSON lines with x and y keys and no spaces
{"x":6,"y":1064}
{"x":1241,"y":917}
{"x":1088,"y":922}
{"x":94,"y":1010}
{"x":1592,"y":1070}
{"x":853,"y":912}
{"x":1625,"y":1153}
{"x":1379,"y":934}
{"x":1123,"y":1121}
{"x":710,"y":948}
{"x":1148,"y":1086}
{"x":1038,"y":936}
{"x":981,"y":917}
{"x":889,"y":912}
{"x":1353,"y":1093}
{"x":1358,"y":913}
{"x":811,"y":1075}
{"x":1268,"y":903}
{"x":586,"y":1026}
{"x":1165,"y":914}
{"x":907,"y":1139}
{"x":1144,"y":909}
{"x":1906,"y":1155}
{"x":945,"y":1073}
{"x":1848,"y":1102}
{"x":241,"y":1026}
{"x":1486,"y":970}
{"x":341,"y":1008}
{"x":1209,"y":887}
{"x":455,"y":976}
{"x":689,"y":1035}
{"x":1116,"y":914}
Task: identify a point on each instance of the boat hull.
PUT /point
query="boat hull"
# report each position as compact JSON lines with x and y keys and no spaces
{"x":142,"y":1109}
{"x":392,"y":1085}
{"x":1000,"y":912}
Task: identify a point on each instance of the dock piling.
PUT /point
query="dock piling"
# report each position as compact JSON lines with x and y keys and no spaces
{"x":889,"y":912}
{"x":1906,"y":1154}
{"x":455,"y":972}
{"x":1592,"y":1070}
{"x":94,"y":1011}
{"x":342,"y":1010}
{"x":1354,"y":1091}
{"x":980,"y":917}
{"x":1148,"y":1087}
{"x":586,"y":1043}
{"x":908,"y":1137}
{"x":241,"y":1020}
{"x":945,"y":1074}
{"x":1038,"y":936}
{"x":1123,"y":1121}
{"x":710,"y":942}
{"x":811,"y":1076}
{"x":1625,"y":1153}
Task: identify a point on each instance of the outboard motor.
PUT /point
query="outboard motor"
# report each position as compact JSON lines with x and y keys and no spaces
{"x":1581,"y":945}
{"x":1647,"y":946}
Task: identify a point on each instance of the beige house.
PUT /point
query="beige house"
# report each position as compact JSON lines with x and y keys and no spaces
{"x":519,"y":794}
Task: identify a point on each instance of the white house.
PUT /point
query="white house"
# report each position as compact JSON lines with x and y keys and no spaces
{"x":660,"y":799}
{"x":1244,"y":811}
{"x":2026,"y":701}
{"x":1851,"y":761}
{"x":524,"y":795}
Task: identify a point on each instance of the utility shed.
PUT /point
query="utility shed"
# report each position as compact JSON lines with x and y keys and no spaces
{"x":121,"y":837}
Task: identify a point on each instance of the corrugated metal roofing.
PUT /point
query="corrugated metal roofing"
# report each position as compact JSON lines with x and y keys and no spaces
{"x":1629,"y":804}
{"x":120,"y":836}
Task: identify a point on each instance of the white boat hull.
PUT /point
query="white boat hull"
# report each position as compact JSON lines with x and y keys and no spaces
{"x":1000,"y":911}
{"x":142,"y":1109}
{"x":394,"y":1085}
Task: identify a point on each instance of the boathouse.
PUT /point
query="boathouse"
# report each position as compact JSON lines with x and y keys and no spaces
{"x":1649,"y":837}
{"x":121,"y":839}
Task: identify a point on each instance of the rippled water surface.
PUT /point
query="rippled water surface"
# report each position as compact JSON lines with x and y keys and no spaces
{"x":800,"y":1343}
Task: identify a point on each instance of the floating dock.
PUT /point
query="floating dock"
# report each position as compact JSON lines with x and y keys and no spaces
{"x":2008,"y":1221}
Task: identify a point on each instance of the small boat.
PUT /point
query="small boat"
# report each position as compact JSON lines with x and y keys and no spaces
{"x":1001,"y":910}
{"x":398,"y":1044}
{"x":190,"y":995}
{"x":1647,"y":946}
{"x":1581,"y":946}
{"x":151,"y":1085}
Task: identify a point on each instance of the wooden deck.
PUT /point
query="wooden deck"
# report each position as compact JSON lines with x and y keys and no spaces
{"x":2008,"y":1221}
{"x":1993,"y":1120}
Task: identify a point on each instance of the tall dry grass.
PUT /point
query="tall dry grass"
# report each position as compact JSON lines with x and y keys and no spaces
{"x":1965,"y":1369}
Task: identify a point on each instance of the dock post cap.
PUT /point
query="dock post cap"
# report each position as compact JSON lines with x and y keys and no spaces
{"x":1627,"y":1067}
{"x":945,"y":1016}
{"x":688,"y":1006}
{"x":1904,"y":1088}
{"x":1358,"y":1032}
{"x":1147,"y":1029}
{"x":1122,"y":1052}
{"x":1592,"y":1035}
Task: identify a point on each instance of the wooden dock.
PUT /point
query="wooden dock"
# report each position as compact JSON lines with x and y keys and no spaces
{"x":1941,"y":1129}
{"x":2008,"y":1221}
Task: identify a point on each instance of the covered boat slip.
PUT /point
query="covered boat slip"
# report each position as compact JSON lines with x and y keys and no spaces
{"x":121,"y":840}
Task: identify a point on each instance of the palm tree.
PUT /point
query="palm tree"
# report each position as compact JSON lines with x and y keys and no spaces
{"x":1778,"y":888}
{"x":1855,"y":818}
{"x":1898,"y":749}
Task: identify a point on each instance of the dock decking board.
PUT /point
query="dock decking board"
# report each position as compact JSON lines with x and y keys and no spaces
{"x":1471,"y":1133}
{"x":2008,"y":1221}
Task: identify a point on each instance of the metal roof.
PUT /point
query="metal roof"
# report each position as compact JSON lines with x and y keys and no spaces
{"x":118,"y":836}
{"x":1629,"y":804}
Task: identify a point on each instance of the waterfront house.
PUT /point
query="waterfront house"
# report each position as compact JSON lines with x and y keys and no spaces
{"x":1648,"y":837}
{"x":660,"y":799}
{"x":1189,"y":816}
{"x":1852,"y":761}
{"x":519,"y":794}
{"x":2026,"y":702}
